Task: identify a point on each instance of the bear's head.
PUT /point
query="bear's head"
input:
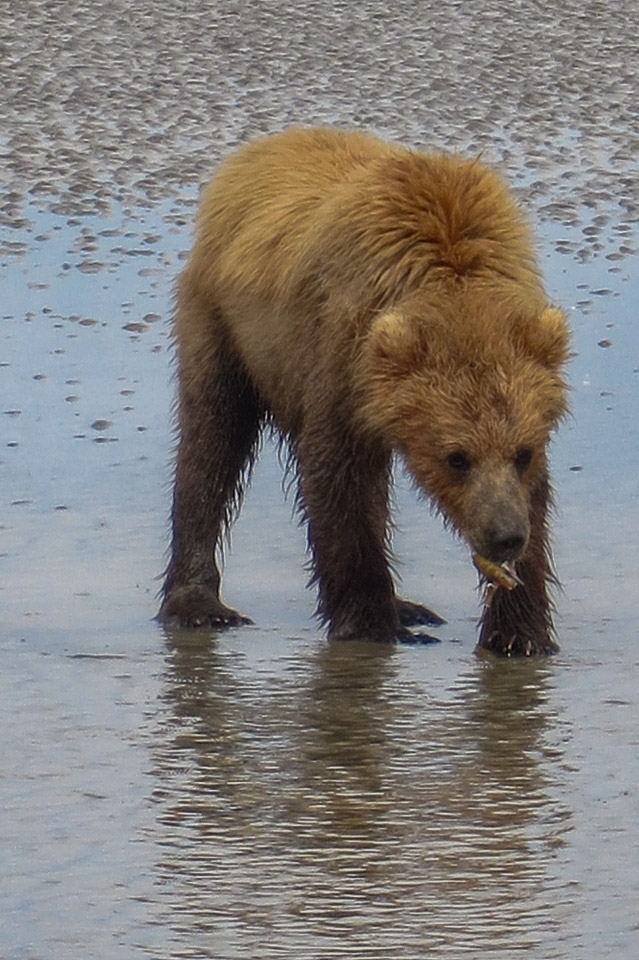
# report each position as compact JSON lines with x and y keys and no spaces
{"x":467,"y":388}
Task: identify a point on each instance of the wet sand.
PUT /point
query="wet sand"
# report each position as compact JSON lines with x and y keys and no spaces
{"x":263,"y":793}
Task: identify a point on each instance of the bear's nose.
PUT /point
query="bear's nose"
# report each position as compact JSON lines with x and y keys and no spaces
{"x":505,"y":544}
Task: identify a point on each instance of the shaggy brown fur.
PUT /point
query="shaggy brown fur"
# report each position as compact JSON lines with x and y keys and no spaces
{"x":366,"y":299}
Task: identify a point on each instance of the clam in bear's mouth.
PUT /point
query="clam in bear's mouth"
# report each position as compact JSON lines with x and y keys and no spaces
{"x":498,"y":574}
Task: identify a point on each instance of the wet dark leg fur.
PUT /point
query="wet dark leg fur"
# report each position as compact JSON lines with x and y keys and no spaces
{"x":219,"y":422}
{"x":519,"y":622}
{"x":343,"y":494}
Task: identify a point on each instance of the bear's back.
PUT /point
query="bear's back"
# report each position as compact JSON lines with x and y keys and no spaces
{"x":408,"y":220}
{"x":256,"y":209}
{"x":286,"y":213}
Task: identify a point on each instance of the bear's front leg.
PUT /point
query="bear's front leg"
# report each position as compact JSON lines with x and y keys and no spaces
{"x":518,"y":622}
{"x":344,"y":495}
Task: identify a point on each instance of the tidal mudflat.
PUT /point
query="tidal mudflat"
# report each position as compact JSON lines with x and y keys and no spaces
{"x":263,"y":793}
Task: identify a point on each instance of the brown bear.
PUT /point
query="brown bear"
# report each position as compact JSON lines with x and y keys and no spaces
{"x":364,"y":299}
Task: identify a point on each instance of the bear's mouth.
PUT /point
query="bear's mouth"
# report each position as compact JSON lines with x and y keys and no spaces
{"x":497,"y":574}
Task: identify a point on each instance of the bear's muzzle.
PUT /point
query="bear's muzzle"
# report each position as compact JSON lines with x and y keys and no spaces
{"x":498,"y":515}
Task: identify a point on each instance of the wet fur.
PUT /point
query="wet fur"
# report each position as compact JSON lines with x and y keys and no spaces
{"x":519,"y":622}
{"x":323,"y":297}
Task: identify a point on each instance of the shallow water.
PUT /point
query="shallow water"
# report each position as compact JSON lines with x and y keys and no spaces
{"x":263,"y":793}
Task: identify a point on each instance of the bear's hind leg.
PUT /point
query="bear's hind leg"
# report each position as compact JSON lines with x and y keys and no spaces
{"x":416,"y":614}
{"x":219,"y":422}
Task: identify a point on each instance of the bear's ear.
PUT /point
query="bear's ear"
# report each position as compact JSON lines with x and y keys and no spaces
{"x":394,"y":345}
{"x":549,"y":338}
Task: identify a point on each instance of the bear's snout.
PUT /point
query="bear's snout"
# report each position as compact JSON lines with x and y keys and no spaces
{"x":498,"y":516}
{"x":506,"y":540}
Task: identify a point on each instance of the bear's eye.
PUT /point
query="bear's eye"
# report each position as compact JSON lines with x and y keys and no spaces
{"x":523,"y":458}
{"x":458,"y":461}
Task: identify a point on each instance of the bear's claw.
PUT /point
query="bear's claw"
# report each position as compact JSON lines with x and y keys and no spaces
{"x":416,"y":614}
{"x":195,"y":606}
{"x":517,"y":646}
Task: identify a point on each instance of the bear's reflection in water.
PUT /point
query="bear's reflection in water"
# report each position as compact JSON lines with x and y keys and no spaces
{"x":329,"y":791}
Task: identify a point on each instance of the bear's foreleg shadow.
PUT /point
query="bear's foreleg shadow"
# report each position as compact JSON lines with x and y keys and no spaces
{"x":219,"y":421}
{"x":519,"y":622}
